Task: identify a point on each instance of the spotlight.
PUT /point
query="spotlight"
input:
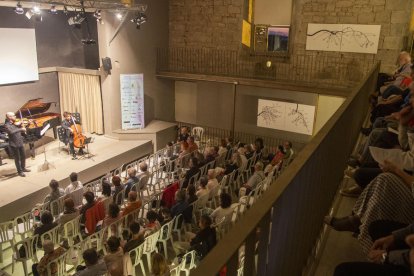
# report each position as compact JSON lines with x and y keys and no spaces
{"x":140,"y":19}
{"x":76,"y":20}
{"x":88,"y":41}
{"x":53,"y":9}
{"x":19,"y":9}
{"x":35,"y":10}
{"x":119,"y":15}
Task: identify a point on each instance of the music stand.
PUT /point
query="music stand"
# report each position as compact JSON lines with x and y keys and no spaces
{"x":88,"y":141}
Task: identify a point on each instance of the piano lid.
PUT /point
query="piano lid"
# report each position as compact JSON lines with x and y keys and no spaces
{"x":33,"y":107}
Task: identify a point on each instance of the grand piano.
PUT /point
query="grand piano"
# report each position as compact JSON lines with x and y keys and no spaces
{"x":35,"y":111}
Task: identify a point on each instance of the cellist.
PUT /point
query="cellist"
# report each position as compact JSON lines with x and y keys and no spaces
{"x":67,"y":122}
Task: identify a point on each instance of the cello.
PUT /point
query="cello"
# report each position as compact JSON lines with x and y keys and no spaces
{"x":78,"y":137}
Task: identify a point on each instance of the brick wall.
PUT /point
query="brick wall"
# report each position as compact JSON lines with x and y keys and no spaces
{"x":217,"y":24}
{"x":393,"y":16}
{"x":206,"y":24}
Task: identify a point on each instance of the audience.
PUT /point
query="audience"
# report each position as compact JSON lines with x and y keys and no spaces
{"x":113,"y":262}
{"x":159,"y":265}
{"x":255,"y":179}
{"x":137,"y":237}
{"x":118,"y":187}
{"x":93,"y":266}
{"x":74,"y":189}
{"x":132,"y":204}
{"x":224,"y":211}
{"x":51,"y":254}
{"x":132,"y":180}
{"x":55,"y":191}
{"x":184,"y":134}
{"x":114,"y":258}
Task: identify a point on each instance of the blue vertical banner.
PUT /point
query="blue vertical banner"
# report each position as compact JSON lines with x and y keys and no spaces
{"x":132,"y":101}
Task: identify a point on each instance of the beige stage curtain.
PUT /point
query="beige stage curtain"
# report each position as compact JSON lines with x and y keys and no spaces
{"x":82,"y":93}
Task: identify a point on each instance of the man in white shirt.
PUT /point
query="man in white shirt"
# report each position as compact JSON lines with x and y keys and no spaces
{"x":74,"y":189}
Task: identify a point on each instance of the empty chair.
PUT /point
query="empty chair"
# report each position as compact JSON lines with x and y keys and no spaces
{"x":56,"y":206}
{"x":6,"y":236}
{"x":71,"y":231}
{"x":52,"y":235}
{"x":150,"y":246}
{"x":165,"y":236}
{"x":198,"y":132}
{"x":178,"y":226}
{"x":135,"y":259}
{"x":23,"y":225}
{"x":188,"y":262}
{"x":29,"y":245}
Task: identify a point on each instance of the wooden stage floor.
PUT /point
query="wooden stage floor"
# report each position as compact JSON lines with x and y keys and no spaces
{"x":20,"y":194}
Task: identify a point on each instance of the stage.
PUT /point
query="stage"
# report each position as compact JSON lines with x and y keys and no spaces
{"x":20,"y":194}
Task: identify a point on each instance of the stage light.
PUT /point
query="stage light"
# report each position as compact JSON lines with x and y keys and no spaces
{"x":76,"y":20}
{"x":119,"y":15}
{"x":19,"y":9}
{"x":53,"y":9}
{"x":140,"y":19}
{"x":35,"y":10}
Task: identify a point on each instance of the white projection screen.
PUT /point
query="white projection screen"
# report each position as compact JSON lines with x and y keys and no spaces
{"x":18,"y":58}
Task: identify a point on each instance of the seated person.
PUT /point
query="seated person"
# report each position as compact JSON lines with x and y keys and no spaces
{"x":277,"y":160}
{"x":202,"y":242}
{"x":287,"y":145}
{"x":55,"y":192}
{"x":114,"y":257}
{"x":112,"y":216}
{"x":248,"y":151}
{"x":118,"y":187}
{"x":202,"y":187}
{"x":159,"y":265}
{"x":136,"y":239}
{"x":224,"y":211}
{"x":180,"y":203}
{"x":75,"y":189}
{"x":223,"y":147}
{"x":40,"y":269}
{"x":70,"y":212}
{"x":106,"y":195}
{"x":153,"y":224}
{"x":194,"y":169}
{"x":132,"y":180}
{"x":184,"y":134}
{"x":192,"y":146}
{"x":165,"y":213}
{"x":132,"y":204}
{"x":143,"y":175}
{"x":234,"y":164}
{"x":93,"y":266}
{"x":191,"y":194}
{"x":90,"y":202}
{"x":389,"y":254}
{"x":255,"y":179}
{"x":212,"y":181}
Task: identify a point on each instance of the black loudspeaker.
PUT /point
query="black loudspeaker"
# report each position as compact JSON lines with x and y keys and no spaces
{"x":107,"y":65}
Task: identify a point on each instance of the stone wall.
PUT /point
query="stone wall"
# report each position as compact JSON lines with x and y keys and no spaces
{"x":393,"y":16}
{"x":217,"y":24}
{"x":206,"y":23}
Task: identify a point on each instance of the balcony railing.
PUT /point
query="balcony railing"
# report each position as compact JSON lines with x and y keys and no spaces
{"x":323,"y":69}
{"x":279,"y":232}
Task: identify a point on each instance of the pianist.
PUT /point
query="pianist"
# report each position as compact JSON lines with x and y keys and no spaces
{"x":15,"y":131}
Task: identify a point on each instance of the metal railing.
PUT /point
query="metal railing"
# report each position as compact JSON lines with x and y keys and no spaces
{"x":280,"y":231}
{"x":322,"y":68}
{"x":212,"y":137}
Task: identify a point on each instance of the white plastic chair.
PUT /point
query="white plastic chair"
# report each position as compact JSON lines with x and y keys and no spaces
{"x":52,"y":235}
{"x":178,"y":226}
{"x":23,"y":225}
{"x":187,"y":267}
{"x":6,"y":236}
{"x":56,"y":207}
{"x":135,"y":256}
{"x":197,"y":132}
{"x":29,"y":244}
{"x":150,"y":246}
{"x":71,"y":231}
{"x":175,"y":271}
{"x":165,"y":236}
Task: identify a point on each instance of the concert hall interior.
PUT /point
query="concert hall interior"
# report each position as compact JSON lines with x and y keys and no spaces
{"x":206,"y":137}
